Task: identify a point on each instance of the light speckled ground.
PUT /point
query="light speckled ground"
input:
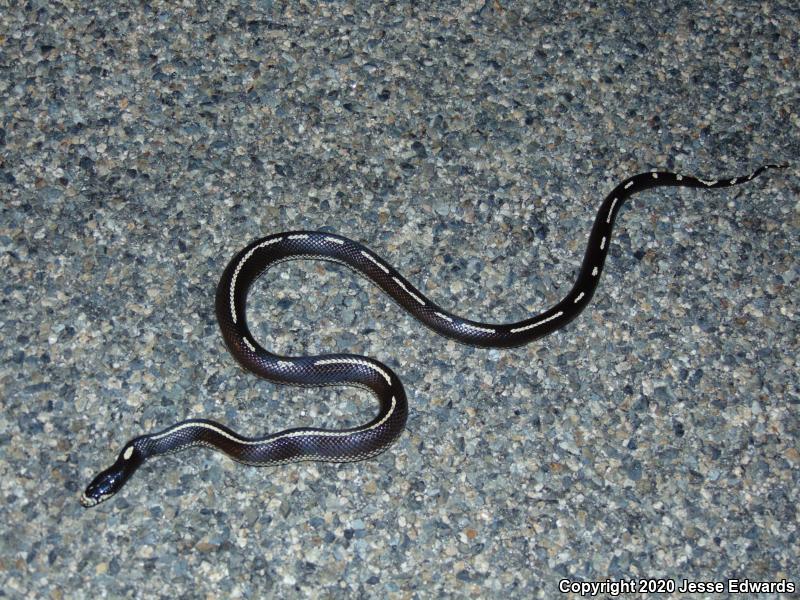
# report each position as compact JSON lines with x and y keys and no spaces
{"x":469,"y":145}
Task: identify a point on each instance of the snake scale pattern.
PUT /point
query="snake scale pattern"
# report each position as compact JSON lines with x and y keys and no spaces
{"x":367,"y":440}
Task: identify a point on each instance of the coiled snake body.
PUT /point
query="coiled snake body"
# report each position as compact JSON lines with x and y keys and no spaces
{"x":367,"y":440}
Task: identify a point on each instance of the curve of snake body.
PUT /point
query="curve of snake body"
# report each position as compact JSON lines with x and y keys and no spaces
{"x":369,"y":439}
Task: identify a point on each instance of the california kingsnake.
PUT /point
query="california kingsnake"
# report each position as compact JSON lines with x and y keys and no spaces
{"x":375,"y":436}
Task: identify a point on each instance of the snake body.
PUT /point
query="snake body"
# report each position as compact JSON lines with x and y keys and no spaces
{"x":371,"y":438}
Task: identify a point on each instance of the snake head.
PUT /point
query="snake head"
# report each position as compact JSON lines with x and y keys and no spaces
{"x":109,"y":482}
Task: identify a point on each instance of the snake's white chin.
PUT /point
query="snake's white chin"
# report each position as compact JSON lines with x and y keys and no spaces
{"x":87,"y":502}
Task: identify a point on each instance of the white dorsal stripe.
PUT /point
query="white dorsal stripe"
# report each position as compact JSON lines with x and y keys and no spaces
{"x":408,"y":291}
{"x":476,"y":328}
{"x":578,"y":297}
{"x":239,"y":268}
{"x":629,"y":184}
{"x":248,"y":344}
{"x":355,"y":361}
{"x":441,"y":316}
{"x":375,"y":261}
{"x":290,"y":434}
{"x":541,"y":322}
{"x":334,"y":240}
{"x":611,"y":210}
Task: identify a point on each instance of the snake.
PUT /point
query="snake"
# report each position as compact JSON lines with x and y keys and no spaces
{"x":371,"y":438}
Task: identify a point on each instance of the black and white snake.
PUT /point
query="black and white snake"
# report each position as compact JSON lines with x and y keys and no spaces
{"x":374,"y":437}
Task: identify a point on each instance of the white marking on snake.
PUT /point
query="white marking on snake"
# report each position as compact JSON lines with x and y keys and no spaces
{"x":239,"y":268}
{"x":248,"y":344}
{"x":578,"y":298}
{"x":445,"y":317}
{"x":88,"y":502}
{"x":334,"y":240}
{"x":629,"y":184}
{"x":542,"y":322}
{"x":408,"y":291}
{"x":603,"y":243}
{"x":679,"y":177}
{"x":268,"y":440}
{"x":128,"y":452}
{"x":733,"y":181}
{"x":298,"y":236}
{"x":594,"y":272}
{"x":355,"y":361}
{"x":374,"y":260}
{"x":284,"y":363}
{"x":476,"y":328}
{"x":611,"y":210}
{"x":655,"y":175}
{"x":708,"y":183}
